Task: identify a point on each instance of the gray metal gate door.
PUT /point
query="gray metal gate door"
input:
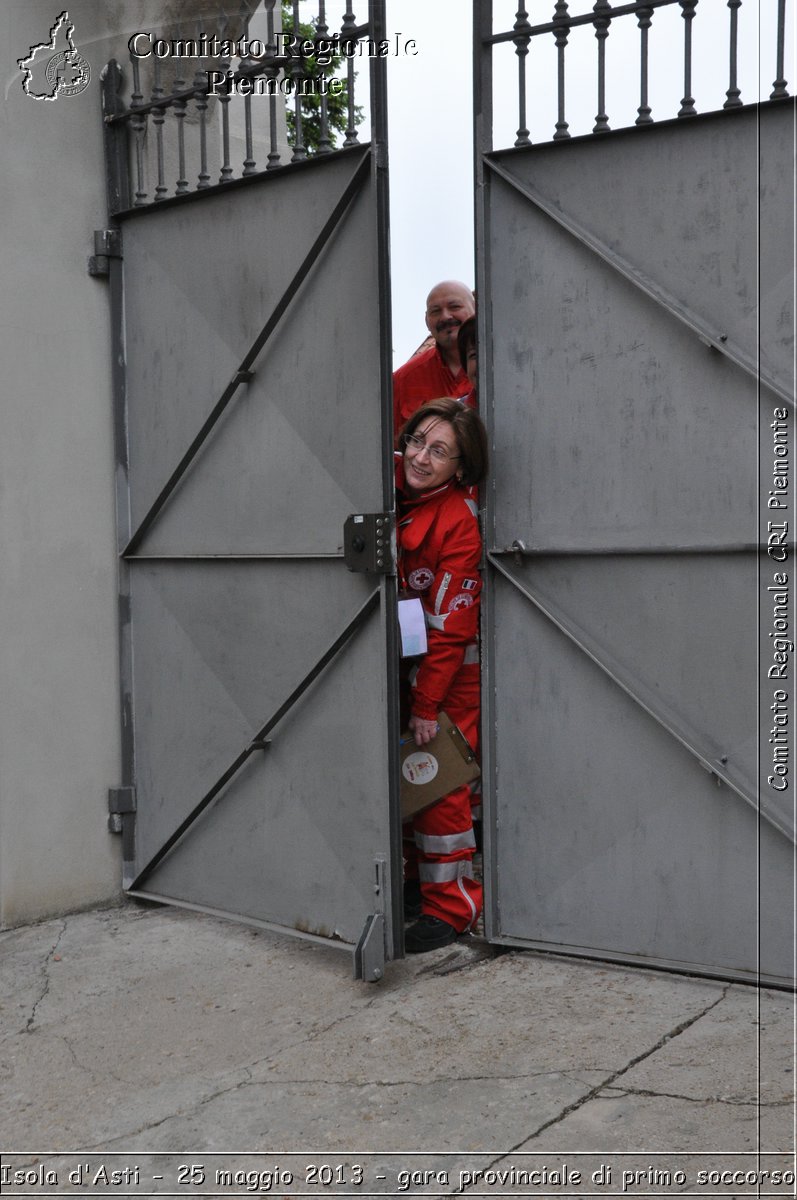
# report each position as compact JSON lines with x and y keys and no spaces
{"x":253,"y":328}
{"x":629,"y":398}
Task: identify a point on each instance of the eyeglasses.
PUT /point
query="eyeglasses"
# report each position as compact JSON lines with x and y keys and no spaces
{"x":435,"y":452}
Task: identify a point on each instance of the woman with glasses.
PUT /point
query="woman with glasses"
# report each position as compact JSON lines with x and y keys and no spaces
{"x":443,"y":457}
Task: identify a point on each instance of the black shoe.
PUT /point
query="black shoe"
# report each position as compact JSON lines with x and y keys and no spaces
{"x":428,"y":933}
{"x":412,"y":899}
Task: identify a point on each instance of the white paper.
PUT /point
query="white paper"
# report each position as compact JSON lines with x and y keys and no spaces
{"x":413,"y":627}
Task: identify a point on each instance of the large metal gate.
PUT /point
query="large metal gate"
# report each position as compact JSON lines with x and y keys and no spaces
{"x":634,"y":294}
{"x":252,"y":361}
{"x":630,"y":399}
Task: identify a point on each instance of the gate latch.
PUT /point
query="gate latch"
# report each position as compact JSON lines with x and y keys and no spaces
{"x":369,"y":543}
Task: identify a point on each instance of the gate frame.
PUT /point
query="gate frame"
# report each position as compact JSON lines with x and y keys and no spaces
{"x":382,"y":935}
{"x":488,"y":163}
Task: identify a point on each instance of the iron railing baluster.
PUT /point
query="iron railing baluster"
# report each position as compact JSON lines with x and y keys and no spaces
{"x":733,"y":93}
{"x":645,"y":19}
{"x":561,"y":33}
{"x":588,"y":18}
{"x":602,"y":22}
{"x":347,"y":32}
{"x":779,"y":91}
{"x":605,"y":13}
{"x":200,"y":78}
{"x":267,"y":63}
{"x":521,"y":49}
{"x":158,"y":117}
{"x":250,"y":164}
{"x":322,"y":31}
{"x":180,"y":106}
{"x":226,"y":172}
{"x":297,"y":75}
{"x":138,"y":125}
{"x":272,"y":73}
{"x":687,"y":108}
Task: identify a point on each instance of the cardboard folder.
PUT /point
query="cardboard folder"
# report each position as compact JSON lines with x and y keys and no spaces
{"x":432,"y":771}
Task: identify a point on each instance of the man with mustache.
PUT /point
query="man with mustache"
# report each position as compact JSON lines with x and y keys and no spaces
{"x":436,"y":371}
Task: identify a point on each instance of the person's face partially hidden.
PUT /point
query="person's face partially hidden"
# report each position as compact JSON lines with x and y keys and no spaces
{"x":472,"y":367}
{"x":447,"y":307}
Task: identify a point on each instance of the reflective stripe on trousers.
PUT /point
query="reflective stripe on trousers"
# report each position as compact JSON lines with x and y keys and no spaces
{"x":445,"y":843}
{"x":444,"y":872}
{"x":455,"y":873}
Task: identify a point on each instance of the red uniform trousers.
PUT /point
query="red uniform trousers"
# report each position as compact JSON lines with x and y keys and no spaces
{"x":439,"y":842}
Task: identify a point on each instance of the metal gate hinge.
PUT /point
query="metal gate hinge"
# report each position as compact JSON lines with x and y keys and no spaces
{"x":120,"y":802}
{"x":107,"y":245}
{"x":369,"y":543}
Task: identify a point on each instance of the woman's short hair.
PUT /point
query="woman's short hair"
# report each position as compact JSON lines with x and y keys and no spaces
{"x":468,"y":430}
{"x":466,"y":340}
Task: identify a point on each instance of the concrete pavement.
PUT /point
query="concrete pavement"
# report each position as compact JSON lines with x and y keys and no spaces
{"x":143,"y":1030}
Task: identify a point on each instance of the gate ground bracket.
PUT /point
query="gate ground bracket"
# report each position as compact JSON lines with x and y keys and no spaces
{"x":369,"y":954}
{"x":107,"y":245}
{"x":369,"y":543}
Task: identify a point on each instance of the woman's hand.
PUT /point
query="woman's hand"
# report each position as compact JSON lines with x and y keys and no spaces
{"x":423,"y":730}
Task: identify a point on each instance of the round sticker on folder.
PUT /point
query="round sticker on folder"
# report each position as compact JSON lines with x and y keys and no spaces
{"x":419,"y":768}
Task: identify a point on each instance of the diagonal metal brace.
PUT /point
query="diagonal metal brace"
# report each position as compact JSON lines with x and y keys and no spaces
{"x":260,"y":739}
{"x":687,"y":739}
{"x":244,"y":372}
{"x":710,"y":337}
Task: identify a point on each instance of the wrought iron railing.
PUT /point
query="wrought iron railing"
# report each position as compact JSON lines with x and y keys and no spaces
{"x":604,"y":18}
{"x":223,"y":115}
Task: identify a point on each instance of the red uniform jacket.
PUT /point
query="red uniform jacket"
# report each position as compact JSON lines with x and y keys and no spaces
{"x":439,"y":553}
{"x":424,"y":377}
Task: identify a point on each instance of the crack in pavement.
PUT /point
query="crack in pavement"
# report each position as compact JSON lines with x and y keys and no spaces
{"x":619,"y":1093}
{"x":379,"y":997}
{"x":309,"y":1038}
{"x":593,"y":1093}
{"x":447,"y":1080}
{"x":249,"y":1082}
{"x":93,"y":1072}
{"x":30,"y":1026}
{"x":101,"y":1147}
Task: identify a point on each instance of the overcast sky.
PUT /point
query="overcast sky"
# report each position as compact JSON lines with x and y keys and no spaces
{"x":431,"y":160}
{"x":430,"y":114}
